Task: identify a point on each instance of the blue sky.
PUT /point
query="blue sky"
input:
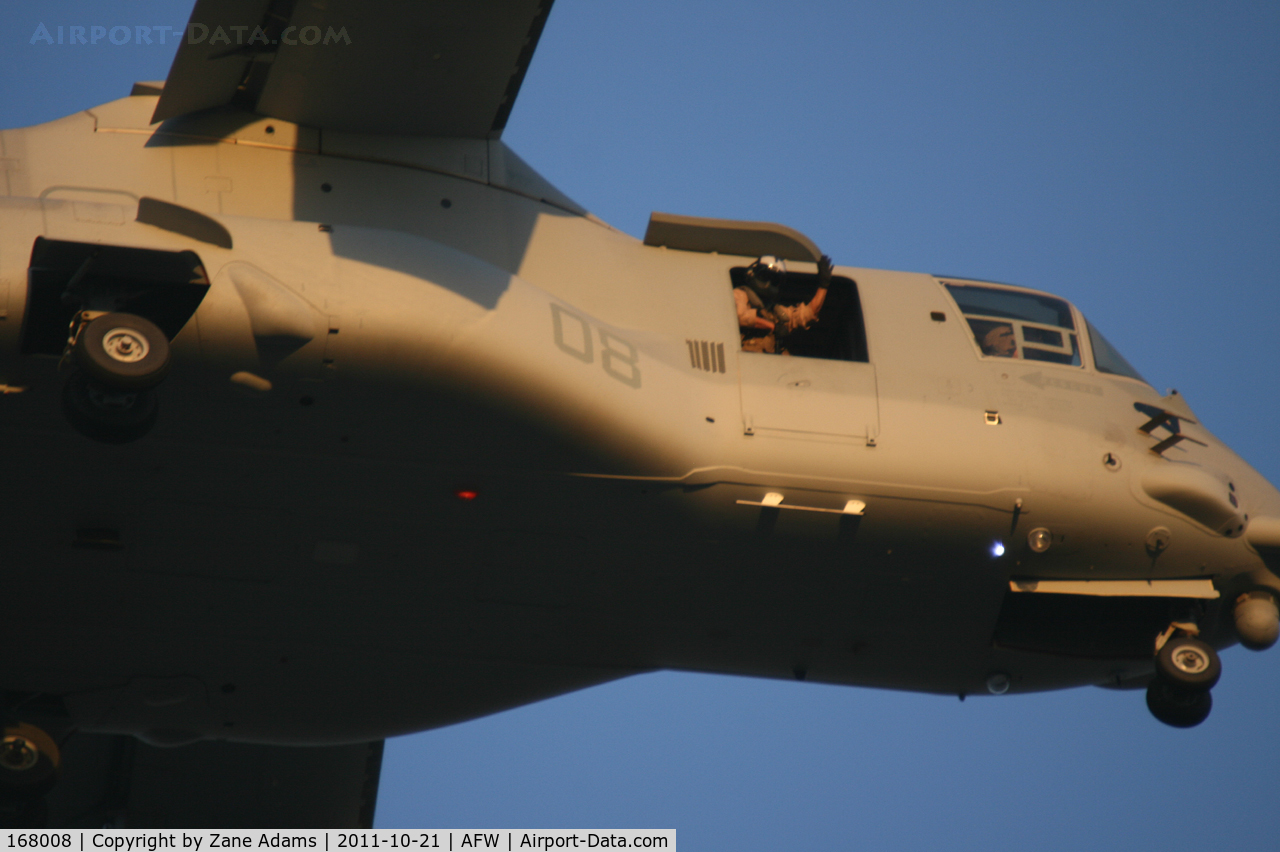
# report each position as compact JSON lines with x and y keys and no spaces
{"x":1120,"y":154}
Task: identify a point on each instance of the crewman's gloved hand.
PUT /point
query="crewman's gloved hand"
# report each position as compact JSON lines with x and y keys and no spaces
{"x":824,"y":271}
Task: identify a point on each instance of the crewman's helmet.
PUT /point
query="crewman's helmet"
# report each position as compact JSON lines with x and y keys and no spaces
{"x":766,"y":274}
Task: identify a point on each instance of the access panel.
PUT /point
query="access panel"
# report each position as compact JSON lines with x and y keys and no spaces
{"x":813,"y":396}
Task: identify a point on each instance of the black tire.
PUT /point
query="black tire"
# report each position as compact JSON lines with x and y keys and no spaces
{"x":1178,"y":708}
{"x":107,"y":415}
{"x":1187,"y":663}
{"x":123,"y":351}
{"x":29,"y":762}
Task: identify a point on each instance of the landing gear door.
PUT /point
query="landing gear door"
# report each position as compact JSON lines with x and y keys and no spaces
{"x":808,"y":397}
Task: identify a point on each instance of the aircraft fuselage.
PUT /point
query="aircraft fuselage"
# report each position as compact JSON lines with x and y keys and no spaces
{"x":435,"y":443}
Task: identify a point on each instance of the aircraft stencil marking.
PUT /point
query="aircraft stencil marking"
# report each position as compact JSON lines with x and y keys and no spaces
{"x":1042,"y":381}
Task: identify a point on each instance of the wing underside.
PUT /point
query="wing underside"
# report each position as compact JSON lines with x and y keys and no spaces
{"x":427,"y":69}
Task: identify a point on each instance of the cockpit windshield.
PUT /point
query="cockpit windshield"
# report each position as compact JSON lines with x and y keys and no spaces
{"x":1018,"y":324}
{"x":1107,"y":359}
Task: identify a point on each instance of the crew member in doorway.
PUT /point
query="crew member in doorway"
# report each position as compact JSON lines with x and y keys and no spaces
{"x":760,"y":309}
{"x":756,"y":321}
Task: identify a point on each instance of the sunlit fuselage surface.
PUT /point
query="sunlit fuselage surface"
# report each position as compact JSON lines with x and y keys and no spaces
{"x":427,"y":417}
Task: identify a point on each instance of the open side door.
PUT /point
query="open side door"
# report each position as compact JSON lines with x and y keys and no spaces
{"x":823,"y":385}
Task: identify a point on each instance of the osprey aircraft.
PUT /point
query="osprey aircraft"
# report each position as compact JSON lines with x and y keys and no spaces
{"x":343,"y":393}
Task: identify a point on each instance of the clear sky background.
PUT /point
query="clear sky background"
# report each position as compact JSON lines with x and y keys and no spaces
{"x":1124,"y":155}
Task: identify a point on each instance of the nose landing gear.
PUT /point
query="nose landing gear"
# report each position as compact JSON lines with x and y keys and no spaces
{"x":1189,"y":664}
{"x":1186,"y":669}
{"x":1177,"y":707}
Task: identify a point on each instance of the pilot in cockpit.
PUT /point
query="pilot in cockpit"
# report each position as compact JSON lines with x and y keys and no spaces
{"x":999,"y":341}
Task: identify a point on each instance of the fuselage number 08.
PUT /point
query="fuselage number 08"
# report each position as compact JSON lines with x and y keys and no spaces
{"x":573,"y":335}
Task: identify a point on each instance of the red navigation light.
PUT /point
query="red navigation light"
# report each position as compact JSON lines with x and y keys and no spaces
{"x":464,"y":494}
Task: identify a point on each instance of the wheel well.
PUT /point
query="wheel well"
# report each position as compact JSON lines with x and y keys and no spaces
{"x":165,"y":287}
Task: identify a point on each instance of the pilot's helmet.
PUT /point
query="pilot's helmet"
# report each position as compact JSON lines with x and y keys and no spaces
{"x":766,"y":274}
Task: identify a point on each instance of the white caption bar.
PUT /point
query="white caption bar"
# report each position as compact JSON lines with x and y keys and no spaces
{"x":448,"y":839}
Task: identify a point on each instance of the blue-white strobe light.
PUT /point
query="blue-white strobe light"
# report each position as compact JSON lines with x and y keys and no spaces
{"x":997,"y":549}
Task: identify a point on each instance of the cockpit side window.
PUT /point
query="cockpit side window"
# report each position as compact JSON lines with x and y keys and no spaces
{"x":1107,"y":359}
{"x":1017,"y":324}
{"x":782,"y":319}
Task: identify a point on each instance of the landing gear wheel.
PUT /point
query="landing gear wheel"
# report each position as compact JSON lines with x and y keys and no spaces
{"x":1187,"y":663}
{"x":107,"y":415}
{"x":29,"y":762}
{"x":1178,"y":708}
{"x":123,"y":351}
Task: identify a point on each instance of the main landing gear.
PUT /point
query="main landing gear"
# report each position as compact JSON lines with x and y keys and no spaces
{"x":120,"y":358}
{"x":108,"y":312}
{"x":29,"y":765}
{"x":1186,"y":669}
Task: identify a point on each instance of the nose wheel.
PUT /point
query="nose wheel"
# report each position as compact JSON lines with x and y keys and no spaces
{"x":1186,"y":669}
{"x":1176,"y":707}
{"x":1189,"y":664}
{"x":120,"y":359}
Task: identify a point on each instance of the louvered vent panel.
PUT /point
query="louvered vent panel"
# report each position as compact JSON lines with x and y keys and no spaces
{"x":705,"y":355}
